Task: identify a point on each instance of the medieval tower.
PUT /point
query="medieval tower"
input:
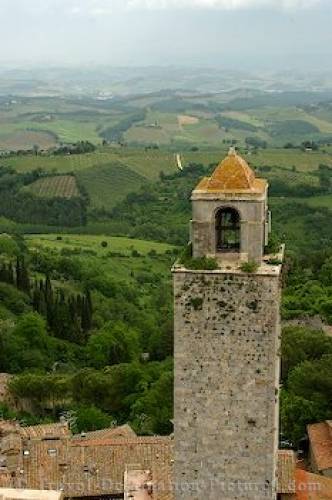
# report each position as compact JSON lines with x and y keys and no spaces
{"x":227,"y":335}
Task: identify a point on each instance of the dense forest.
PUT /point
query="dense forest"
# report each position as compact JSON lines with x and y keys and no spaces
{"x":84,"y":343}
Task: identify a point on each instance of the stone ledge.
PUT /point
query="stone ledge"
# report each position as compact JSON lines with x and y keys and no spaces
{"x":265,"y":269}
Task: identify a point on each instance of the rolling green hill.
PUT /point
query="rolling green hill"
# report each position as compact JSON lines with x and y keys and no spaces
{"x":167,"y":118}
{"x":107,"y":184}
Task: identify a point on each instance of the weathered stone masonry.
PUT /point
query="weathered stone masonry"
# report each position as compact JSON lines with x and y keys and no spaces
{"x":226,"y":384}
{"x":227,"y":336}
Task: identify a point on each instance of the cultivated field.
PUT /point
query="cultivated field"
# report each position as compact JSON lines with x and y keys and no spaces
{"x":25,"y":139}
{"x":187,"y":120}
{"x":110,"y":173}
{"x":107,"y":184}
{"x":149,"y":163}
{"x":170,"y":119}
{"x":62,"y":186}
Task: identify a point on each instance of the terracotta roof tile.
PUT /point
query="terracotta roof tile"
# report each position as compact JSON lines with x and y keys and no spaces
{"x":45,"y":431}
{"x":329,"y":423}
{"x":123,"y":431}
{"x":286,"y":471}
{"x":312,"y":486}
{"x":94,"y":467}
{"x":321,"y":444}
{"x":8,"y":427}
{"x":233,"y":175}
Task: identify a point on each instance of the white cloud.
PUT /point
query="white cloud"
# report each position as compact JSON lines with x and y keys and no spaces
{"x":109,"y":7}
{"x":222,"y":4}
{"x":90,"y":7}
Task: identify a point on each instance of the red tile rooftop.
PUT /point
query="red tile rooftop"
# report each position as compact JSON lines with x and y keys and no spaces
{"x":320,"y":437}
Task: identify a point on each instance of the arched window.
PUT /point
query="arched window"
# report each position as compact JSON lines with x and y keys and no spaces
{"x":228,"y":230}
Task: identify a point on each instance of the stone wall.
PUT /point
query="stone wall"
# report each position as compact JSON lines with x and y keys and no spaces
{"x":227,"y":337}
{"x":252,"y":213}
{"x":5,"y":396}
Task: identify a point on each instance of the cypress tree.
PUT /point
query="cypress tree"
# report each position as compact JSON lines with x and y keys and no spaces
{"x":3,"y":273}
{"x":10,"y":274}
{"x":36,"y":298}
{"x":22,"y":276}
{"x":86,"y":315}
{"x":49,"y":302}
{"x":25,"y":279}
{"x":18,"y":274}
{"x":89,"y":300}
{"x":76,"y":330}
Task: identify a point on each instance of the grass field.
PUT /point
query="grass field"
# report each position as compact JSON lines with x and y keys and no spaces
{"x":72,"y":130}
{"x":62,"y":186}
{"x":316,"y":201}
{"x":251,"y":119}
{"x":87,"y":242}
{"x":116,"y":261}
{"x":303,"y":161}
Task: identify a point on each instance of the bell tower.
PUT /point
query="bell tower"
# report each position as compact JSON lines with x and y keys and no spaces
{"x":230,"y":214}
{"x":227,"y":337}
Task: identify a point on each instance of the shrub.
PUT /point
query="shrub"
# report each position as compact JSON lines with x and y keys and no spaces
{"x":200,"y":263}
{"x":273,"y":245}
{"x":249,"y":267}
{"x":274,"y":262}
{"x":197,"y":303}
{"x":152,"y":253}
{"x":104,"y":244}
{"x":90,"y":418}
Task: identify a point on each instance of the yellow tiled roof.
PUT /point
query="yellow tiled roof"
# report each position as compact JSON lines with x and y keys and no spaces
{"x":234,"y":175}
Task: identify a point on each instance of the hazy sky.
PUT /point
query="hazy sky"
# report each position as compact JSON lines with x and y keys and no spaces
{"x":141,"y":32}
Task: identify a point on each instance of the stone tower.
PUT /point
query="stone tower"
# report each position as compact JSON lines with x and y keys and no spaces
{"x":227,"y":335}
